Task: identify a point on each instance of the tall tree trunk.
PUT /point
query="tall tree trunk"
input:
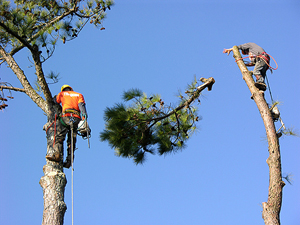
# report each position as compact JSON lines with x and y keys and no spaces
{"x":271,"y":208}
{"x":54,"y":180}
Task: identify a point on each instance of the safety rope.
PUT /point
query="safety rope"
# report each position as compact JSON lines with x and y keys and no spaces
{"x":262,"y":59}
{"x":269,"y":89}
{"x":268,"y":63}
{"x":72,"y":155}
{"x":54,"y":130}
{"x":72,"y":151}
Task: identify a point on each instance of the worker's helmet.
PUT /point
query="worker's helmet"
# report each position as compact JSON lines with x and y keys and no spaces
{"x":65,"y":86}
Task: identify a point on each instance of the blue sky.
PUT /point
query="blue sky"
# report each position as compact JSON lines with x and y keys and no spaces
{"x":158,"y":47}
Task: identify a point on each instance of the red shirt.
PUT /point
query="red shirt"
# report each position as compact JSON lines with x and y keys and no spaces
{"x":70,"y":100}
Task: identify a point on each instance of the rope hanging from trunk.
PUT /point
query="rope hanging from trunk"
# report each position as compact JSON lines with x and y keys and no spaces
{"x":72,"y":155}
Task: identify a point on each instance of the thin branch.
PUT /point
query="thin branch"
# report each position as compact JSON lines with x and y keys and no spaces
{"x":40,"y":74}
{"x":22,"y":40}
{"x":25,"y":43}
{"x":13,"y":89}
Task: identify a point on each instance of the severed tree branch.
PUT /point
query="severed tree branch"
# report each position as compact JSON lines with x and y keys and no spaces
{"x":208,"y":83}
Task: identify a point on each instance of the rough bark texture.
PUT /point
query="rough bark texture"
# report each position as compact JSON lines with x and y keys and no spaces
{"x":271,"y":208}
{"x":54,"y":180}
{"x":23,"y":80}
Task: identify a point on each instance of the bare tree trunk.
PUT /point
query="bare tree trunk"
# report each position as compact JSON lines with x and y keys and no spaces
{"x":271,"y":208}
{"x":54,"y":180}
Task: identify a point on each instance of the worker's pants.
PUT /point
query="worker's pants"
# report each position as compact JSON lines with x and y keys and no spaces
{"x":64,"y":129}
{"x":260,"y":70}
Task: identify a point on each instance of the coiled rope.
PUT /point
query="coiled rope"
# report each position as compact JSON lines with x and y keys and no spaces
{"x":262,"y":59}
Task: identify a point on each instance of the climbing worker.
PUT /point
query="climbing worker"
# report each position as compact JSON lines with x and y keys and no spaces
{"x":73,"y":110}
{"x":258,"y":58}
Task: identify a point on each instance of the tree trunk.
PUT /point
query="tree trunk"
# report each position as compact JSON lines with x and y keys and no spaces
{"x":271,"y":208}
{"x":54,"y":180}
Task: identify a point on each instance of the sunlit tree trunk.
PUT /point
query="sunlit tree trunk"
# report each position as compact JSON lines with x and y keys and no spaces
{"x":271,"y":208}
{"x":54,"y":180}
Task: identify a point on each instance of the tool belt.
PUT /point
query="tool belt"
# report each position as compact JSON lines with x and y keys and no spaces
{"x":71,"y":111}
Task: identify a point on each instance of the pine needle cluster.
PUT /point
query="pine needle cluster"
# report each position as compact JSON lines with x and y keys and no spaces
{"x":148,"y":125}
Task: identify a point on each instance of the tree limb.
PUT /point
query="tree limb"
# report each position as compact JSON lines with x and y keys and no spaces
{"x":13,"y":88}
{"x":40,"y":74}
{"x":23,"y":79}
{"x":22,"y":40}
{"x":208,"y":83}
{"x":26,"y":43}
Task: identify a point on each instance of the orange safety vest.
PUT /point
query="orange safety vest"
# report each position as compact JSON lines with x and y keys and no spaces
{"x":69,"y":101}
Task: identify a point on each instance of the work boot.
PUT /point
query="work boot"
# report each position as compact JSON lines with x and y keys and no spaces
{"x":68,"y":163}
{"x":54,"y":157}
{"x":260,"y":84}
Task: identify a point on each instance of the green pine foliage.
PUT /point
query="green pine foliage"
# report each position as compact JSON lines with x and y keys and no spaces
{"x":146,"y":125}
{"x":25,"y":23}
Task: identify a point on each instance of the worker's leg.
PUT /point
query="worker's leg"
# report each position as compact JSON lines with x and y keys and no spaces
{"x":260,"y":72}
{"x":58,"y":148}
{"x":74,"y":125}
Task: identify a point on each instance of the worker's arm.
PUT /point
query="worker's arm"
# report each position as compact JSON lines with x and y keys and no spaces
{"x":249,"y":64}
{"x":58,"y":98}
{"x":82,"y":109}
{"x":227,"y":50}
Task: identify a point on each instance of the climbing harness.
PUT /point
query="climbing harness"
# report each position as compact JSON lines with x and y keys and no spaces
{"x":71,"y":112}
{"x":265,"y":57}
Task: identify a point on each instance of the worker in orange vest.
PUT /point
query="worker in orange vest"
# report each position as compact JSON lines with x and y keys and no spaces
{"x":73,"y":110}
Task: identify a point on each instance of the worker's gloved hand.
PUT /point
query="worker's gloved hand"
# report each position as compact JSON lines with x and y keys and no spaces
{"x":84,"y":116}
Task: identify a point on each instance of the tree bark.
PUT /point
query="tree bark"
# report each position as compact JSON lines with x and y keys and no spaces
{"x":271,"y":208}
{"x":54,"y":180}
{"x":23,"y":80}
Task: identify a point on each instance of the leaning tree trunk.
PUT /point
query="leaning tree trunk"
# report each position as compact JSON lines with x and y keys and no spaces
{"x":54,"y":180}
{"x":271,"y":208}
